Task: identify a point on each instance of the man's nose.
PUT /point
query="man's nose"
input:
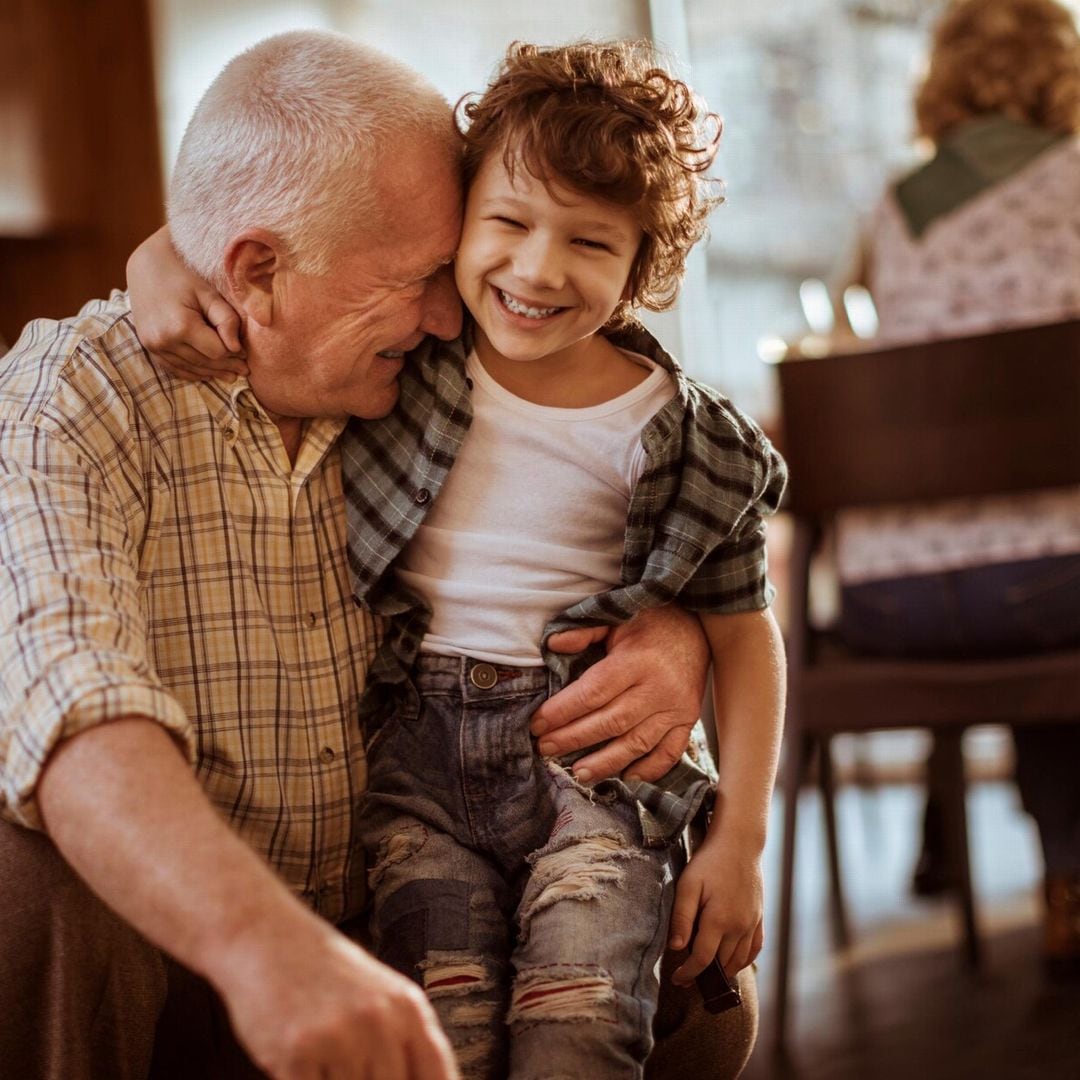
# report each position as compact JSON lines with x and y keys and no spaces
{"x":442,"y":307}
{"x":538,"y":262}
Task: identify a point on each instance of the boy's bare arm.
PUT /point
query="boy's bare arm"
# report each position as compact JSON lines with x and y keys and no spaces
{"x":123,"y":808}
{"x":723,"y":879}
{"x":184,"y":321}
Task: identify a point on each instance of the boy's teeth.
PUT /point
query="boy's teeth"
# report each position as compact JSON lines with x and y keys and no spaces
{"x":521,"y":309}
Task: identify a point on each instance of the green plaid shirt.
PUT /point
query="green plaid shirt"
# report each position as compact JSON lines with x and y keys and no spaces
{"x":694,"y":535}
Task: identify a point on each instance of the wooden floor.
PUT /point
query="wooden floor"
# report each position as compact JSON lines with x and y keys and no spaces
{"x":898,"y":1004}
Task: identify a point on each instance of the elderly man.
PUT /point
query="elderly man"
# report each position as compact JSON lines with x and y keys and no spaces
{"x":180,"y":654}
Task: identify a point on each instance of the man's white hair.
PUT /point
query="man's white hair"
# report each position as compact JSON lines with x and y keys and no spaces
{"x":289,"y":138}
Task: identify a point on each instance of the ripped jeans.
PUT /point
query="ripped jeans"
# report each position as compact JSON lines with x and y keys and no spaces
{"x":525,"y":904}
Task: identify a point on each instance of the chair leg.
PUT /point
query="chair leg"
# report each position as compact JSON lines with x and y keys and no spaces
{"x":841,"y":933}
{"x":796,"y":759}
{"x":954,"y":806}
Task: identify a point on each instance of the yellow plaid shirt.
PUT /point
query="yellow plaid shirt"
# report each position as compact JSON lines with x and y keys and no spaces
{"x":161,"y":558}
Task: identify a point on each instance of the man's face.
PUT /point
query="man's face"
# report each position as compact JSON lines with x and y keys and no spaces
{"x":337,"y":341}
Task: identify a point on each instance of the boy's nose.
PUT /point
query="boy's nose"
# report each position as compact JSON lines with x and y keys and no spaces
{"x":539,"y":263}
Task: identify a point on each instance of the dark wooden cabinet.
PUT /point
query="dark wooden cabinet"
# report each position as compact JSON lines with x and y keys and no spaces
{"x":80,"y":170}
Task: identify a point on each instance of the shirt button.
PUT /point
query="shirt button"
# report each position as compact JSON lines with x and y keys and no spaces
{"x":326,"y":754}
{"x":483,"y":676}
{"x":312,"y":618}
{"x":422,"y":496}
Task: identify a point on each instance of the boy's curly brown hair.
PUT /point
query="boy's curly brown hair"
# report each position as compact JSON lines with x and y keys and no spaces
{"x":606,"y":120}
{"x":1017,"y":57}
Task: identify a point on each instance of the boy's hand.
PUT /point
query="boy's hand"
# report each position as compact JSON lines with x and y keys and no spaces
{"x":182,"y":321}
{"x":723,"y":882}
{"x":641,"y":700}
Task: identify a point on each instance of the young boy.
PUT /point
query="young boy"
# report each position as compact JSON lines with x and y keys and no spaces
{"x":554,"y":468}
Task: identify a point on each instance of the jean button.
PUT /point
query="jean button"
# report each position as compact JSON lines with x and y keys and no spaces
{"x":483,"y":676}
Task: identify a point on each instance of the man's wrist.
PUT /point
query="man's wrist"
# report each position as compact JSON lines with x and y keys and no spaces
{"x":244,"y":940}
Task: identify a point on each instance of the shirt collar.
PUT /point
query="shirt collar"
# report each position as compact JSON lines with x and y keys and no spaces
{"x":974,"y":156}
{"x":234,"y":404}
{"x":231,"y":401}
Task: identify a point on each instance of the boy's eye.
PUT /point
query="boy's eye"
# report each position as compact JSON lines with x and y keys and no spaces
{"x":596,"y":245}
{"x":510,"y":221}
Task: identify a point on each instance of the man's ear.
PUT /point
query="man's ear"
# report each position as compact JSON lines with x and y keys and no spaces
{"x":252,"y":261}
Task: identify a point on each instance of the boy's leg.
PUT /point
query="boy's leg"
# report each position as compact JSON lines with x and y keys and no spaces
{"x":440,"y":916}
{"x":592,"y":926}
{"x":456,"y":798}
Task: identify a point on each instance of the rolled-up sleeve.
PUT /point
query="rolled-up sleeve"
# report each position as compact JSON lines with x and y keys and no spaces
{"x":73,"y":635}
{"x":746,"y":487}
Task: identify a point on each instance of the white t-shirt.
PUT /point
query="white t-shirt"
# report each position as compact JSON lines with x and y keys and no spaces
{"x":531,"y":518}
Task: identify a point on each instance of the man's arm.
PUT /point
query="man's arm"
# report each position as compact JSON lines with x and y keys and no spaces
{"x":642,"y":699}
{"x":117,"y":795}
{"x":124,"y":809}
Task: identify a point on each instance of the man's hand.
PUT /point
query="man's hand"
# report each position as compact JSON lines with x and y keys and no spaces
{"x":127,"y":813}
{"x":314,"y":1005}
{"x":641,"y":700}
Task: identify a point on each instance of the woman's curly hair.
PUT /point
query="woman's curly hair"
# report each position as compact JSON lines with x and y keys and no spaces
{"x":1017,"y":57}
{"x":606,"y":120}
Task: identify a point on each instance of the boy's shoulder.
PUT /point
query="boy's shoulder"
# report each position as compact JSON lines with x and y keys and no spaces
{"x":697,"y":406}
{"x":727,"y":447}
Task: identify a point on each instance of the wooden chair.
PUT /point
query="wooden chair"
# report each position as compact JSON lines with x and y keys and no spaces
{"x":998,"y":413}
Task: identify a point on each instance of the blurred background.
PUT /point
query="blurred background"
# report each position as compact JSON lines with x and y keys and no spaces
{"x":815,"y":97}
{"x":95,"y":94}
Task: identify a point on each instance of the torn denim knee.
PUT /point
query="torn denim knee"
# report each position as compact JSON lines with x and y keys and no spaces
{"x":464,"y":988}
{"x":565,"y":993}
{"x":395,"y":848}
{"x":456,"y":973}
{"x":582,"y":868}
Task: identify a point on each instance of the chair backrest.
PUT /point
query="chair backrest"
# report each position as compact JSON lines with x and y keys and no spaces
{"x":996,"y":413}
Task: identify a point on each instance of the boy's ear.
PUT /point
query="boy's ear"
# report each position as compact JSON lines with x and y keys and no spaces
{"x":252,"y":261}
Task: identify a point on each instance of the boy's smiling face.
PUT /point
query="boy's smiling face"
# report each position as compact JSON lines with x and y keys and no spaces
{"x":541,"y":274}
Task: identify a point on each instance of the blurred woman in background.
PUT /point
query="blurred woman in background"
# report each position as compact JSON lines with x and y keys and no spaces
{"x":984,"y":237}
